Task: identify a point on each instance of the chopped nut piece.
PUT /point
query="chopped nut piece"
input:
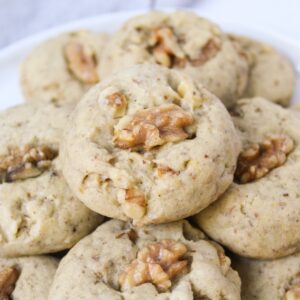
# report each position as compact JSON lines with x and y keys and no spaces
{"x":135,"y":204}
{"x":132,"y":235}
{"x":210,"y":50}
{"x":8,"y":278}
{"x":162,"y":169}
{"x":25,"y":162}
{"x":165,"y":47}
{"x":157,"y":263}
{"x":154,"y":127}
{"x":293,"y":293}
{"x":118,"y":102}
{"x":81,"y":62}
{"x":259,"y":159}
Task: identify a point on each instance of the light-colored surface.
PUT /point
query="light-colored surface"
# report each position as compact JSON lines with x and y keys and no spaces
{"x":268,"y":280}
{"x":92,"y":268}
{"x":105,"y":172}
{"x":11,"y":57}
{"x":39,"y":215}
{"x":271,"y":75}
{"x":36,"y":276}
{"x":260,"y":219}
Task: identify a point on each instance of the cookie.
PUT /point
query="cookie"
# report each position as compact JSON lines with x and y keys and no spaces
{"x":258,"y":216}
{"x":26,"y":278}
{"x":62,"y":69}
{"x":183,"y":41}
{"x":271,"y":74}
{"x":38,"y":212}
{"x":170,"y":261}
{"x":154,"y":146}
{"x":269,"y":279}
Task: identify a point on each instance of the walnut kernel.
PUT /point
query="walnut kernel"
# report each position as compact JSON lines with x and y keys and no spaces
{"x":154,"y":127}
{"x":259,"y":159}
{"x":25,"y":162}
{"x":210,"y":49}
{"x":158,"y":263}
{"x":118,"y":102}
{"x":8,"y":278}
{"x":165,"y":47}
{"x":135,"y":203}
{"x":81,"y":62}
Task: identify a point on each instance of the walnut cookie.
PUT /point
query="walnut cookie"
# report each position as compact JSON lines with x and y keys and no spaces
{"x":183,"y":41}
{"x":258,"y":216}
{"x":26,"y":278}
{"x":38,"y":212}
{"x":154,"y":146}
{"x":270,"y":279}
{"x":74,"y":63}
{"x":167,"y":261}
{"x":271,"y":74}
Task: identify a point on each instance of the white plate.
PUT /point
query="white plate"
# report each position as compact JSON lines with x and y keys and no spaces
{"x":11,"y":57}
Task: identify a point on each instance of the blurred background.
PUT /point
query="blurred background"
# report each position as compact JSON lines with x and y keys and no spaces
{"x":21,"y":18}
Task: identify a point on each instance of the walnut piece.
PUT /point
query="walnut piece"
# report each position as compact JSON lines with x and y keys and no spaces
{"x":154,"y":127}
{"x":210,"y":50}
{"x":8,"y":278}
{"x":118,"y":102}
{"x":135,"y":203}
{"x":163,"y":169}
{"x":293,"y":293}
{"x":25,"y":162}
{"x":165,"y":47}
{"x":158,"y":263}
{"x":259,"y":159}
{"x":131,"y":235}
{"x":81,"y":62}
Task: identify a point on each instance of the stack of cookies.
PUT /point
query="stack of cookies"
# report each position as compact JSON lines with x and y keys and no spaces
{"x":138,"y":156}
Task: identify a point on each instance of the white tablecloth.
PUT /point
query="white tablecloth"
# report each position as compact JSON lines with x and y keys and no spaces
{"x":21,"y":18}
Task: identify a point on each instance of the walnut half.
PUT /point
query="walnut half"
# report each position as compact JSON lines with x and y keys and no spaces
{"x":25,"y":162}
{"x":157,"y":263}
{"x":259,"y":159}
{"x":154,"y":127}
{"x":81,"y":62}
{"x":8,"y":279}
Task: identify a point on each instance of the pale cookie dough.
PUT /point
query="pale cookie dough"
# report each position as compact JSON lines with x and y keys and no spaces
{"x":270,"y":280}
{"x":184,"y":41}
{"x":61,"y":69}
{"x":258,"y":216}
{"x":170,"y":261}
{"x":38,"y":212}
{"x":149,"y":145}
{"x":271,"y":74}
{"x":26,"y":278}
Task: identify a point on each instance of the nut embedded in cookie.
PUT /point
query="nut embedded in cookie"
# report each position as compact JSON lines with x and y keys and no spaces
{"x":8,"y":279}
{"x":81,"y":62}
{"x":259,"y":159}
{"x":26,"y":162}
{"x":153,"y":127}
{"x":118,"y":102}
{"x":165,"y":48}
{"x":134,"y":204}
{"x":157,"y":263}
